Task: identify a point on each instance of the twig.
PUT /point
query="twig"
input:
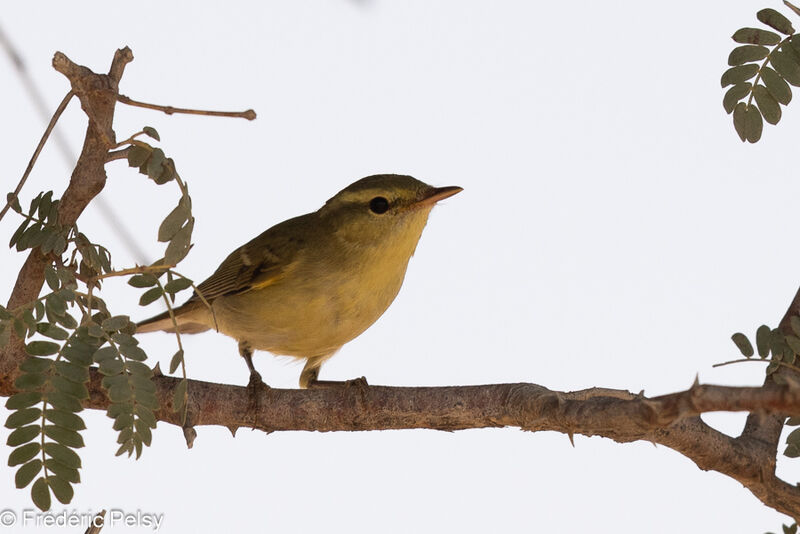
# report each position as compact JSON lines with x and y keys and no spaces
{"x":61,"y":107}
{"x":132,"y":270}
{"x":118,"y":154}
{"x":780,"y":363}
{"x":169,"y":110}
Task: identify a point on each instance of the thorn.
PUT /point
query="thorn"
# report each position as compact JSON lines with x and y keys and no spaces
{"x":640,"y":395}
{"x":654,"y":444}
{"x":571,"y":439}
{"x":696,"y":382}
{"x":233,"y":429}
{"x":189,"y":433}
{"x":157,"y":370}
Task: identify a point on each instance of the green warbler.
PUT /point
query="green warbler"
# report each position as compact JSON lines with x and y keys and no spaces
{"x":310,"y":284}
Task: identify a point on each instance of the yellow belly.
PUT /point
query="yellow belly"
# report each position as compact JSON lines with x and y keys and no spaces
{"x":308,"y":316}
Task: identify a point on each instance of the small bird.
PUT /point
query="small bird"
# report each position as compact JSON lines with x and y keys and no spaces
{"x":310,"y":284}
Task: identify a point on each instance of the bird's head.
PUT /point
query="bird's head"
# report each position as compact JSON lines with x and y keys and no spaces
{"x":384,"y":210}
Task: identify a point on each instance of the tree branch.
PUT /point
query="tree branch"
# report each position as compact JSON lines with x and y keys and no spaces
{"x":98,"y":95}
{"x":670,"y":420}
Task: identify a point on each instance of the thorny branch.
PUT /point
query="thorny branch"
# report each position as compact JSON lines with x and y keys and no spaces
{"x":671,"y":420}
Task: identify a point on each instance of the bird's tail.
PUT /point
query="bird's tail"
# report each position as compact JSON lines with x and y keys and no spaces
{"x":163,"y":323}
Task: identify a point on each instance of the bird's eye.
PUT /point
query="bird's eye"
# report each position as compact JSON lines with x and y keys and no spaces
{"x":379,"y":205}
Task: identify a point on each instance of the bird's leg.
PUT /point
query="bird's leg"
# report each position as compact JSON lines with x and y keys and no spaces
{"x":309,"y":377}
{"x":255,"y":383}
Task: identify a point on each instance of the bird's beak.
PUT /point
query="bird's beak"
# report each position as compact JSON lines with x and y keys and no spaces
{"x":436,"y":194}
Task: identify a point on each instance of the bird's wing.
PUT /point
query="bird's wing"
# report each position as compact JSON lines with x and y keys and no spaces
{"x":259,"y":263}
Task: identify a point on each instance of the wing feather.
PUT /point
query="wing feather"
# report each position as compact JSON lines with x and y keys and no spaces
{"x":259,"y":263}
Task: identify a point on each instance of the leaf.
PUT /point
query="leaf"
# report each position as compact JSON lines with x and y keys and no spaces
{"x":42,"y":348}
{"x":148,"y":400}
{"x":27,"y":472}
{"x":176,"y":360}
{"x":143,"y":280}
{"x":794,"y":343}
{"x":30,"y":381}
{"x":173,"y":222}
{"x":123,"y":420}
{"x":65,"y":402}
{"x":753,"y":124}
{"x":738,"y":120}
{"x":105,"y":353}
{"x":18,"y":233}
{"x":776,"y":85}
{"x":150,"y":296}
{"x":51,"y":277}
{"x":756,"y":36}
{"x":24,"y":434}
{"x":72,"y":372}
{"x":111,"y":367}
{"x":179,"y":284}
{"x":79,"y":354}
{"x":67,"y":437}
{"x":179,"y":395}
{"x":133,"y":352}
{"x":142,"y":382}
{"x":118,"y":322}
{"x":38,"y":310}
{"x":180,"y":244}
{"x":62,"y":471}
{"x":63,"y":454}
{"x":31,"y":364}
{"x":777,"y":343}
{"x":167,"y":172}
{"x":786,"y":66}
{"x":746,"y":54}
{"x":125,"y":447}
{"x":763,"y":338}
{"x":30,"y":238}
{"x":739,"y":74}
{"x":40,"y":494}
{"x":144,"y":432}
{"x":20,"y":455}
{"x":744,"y":345}
{"x":44,"y":204}
{"x":23,"y":400}
{"x":145,"y":415}
{"x":68,"y":321}
{"x":65,"y":419}
{"x":775,"y":20}
{"x":154,"y":163}
{"x":23,"y":417}
{"x":734,"y":94}
{"x":137,"y":155}
{"x":13,"y":201}
{"x":52,"y":331}
{"x":61,"y":489}
{"x":68,"y":387}
{"x":151,"y":132}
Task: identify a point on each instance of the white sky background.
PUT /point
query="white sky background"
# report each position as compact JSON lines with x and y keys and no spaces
{"x":613,"y":232}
